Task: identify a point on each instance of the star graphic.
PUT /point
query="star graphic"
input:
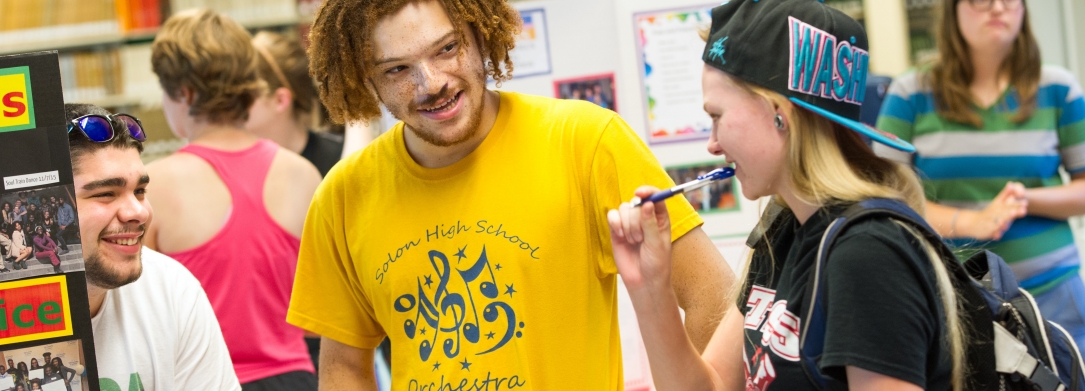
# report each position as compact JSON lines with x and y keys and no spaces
{"x":498,"y":266}
{"x":509,"y":291}
{"x":423,"y":331}
{"x":465,"y":365}
{"x":460,"y":255}
{"x":428,"y":281}
{"x":490,"y":335}
{"x":436,"y":365}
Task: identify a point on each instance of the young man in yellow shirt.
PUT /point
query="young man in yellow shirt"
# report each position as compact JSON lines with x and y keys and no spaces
{"x":473,"y":233}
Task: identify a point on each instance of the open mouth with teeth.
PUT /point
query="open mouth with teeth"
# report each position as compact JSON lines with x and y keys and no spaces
{"x":448,"y":104}
{"x":124,"y":241}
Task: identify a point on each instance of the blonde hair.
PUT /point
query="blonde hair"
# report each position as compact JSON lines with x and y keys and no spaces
{"x":212,"y":56}
{"x":831,"y":165}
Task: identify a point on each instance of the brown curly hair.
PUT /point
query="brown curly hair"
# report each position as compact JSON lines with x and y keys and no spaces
{"x":212,"y":56}
{"x":341,"y":53}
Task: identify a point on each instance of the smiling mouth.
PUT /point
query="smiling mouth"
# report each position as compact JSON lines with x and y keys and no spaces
{"x":446,"y":105}
{"x":124,"y":242}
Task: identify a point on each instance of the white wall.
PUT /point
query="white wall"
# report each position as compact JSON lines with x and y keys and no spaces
{"x":1074,"y":10}
{"x":581,"y":34}
{"x":1048,"y":24}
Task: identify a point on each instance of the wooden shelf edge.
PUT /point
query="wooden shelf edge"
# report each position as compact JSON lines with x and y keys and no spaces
{"x":141,"y":35}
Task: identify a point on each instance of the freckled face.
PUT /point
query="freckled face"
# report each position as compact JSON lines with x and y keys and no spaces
{"x":743,"y":131}
{"x":427,"y":76}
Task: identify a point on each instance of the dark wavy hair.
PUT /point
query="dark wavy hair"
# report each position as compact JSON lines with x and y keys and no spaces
{"x":341,"y":52}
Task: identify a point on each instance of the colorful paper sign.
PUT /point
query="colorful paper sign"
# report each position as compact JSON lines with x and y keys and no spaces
{"x":669,"y":49}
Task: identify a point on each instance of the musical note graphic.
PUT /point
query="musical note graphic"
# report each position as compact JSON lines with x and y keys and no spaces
{"x":488,"y":289}
{"x":446,"y":312}
{"x":490,"y":314}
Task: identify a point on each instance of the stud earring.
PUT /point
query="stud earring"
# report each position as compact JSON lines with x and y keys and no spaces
{"x":779,"y":122}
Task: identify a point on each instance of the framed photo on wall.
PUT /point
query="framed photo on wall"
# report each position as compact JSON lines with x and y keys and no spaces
{"x":720,"y":196}
{"x":598,"y":89}
{"x":532,"y":52}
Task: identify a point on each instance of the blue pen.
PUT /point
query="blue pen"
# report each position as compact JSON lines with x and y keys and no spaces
{"x":701,"y":181}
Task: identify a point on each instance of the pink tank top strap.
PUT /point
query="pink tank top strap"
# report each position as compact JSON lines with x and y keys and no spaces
{"x":244,"y":172}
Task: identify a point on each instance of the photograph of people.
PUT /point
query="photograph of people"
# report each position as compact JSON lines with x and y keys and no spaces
{"x":594,"y":89}
{"x":789,"y":142}
{"x":536,"y":277}
{"x":34,"y":246}
{"x":988,"y":105}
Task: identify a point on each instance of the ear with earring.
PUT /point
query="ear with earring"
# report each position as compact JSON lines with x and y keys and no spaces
{"x":778,"y":121}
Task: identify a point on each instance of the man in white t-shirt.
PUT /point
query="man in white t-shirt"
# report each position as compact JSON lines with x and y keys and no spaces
{"x":154,"y":328}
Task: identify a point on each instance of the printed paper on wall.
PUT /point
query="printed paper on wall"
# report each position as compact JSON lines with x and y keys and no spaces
{"x":669,"y":52}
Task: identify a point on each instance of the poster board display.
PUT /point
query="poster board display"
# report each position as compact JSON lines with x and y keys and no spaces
{"x":44,"y":303}
{"x":668,"y":44}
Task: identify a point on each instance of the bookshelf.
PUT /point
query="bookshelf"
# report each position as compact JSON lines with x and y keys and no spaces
{"x":921,"y":19}
{"x":852,"y":8}
{"x":105,"y":47}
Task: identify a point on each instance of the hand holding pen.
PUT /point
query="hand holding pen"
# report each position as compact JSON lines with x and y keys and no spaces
{"x":640,"y":233}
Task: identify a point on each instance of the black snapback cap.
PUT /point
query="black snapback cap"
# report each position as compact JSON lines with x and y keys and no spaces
{"x":813,"y":54}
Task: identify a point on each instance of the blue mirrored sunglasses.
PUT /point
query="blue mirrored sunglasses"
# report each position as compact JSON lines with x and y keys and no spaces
{"x":99,"y":128}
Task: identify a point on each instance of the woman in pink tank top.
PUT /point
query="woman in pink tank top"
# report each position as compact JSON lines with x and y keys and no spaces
{"x":230,"y":206}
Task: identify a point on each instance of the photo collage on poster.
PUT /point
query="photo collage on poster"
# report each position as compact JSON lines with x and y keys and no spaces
{"x":46,"y":340}
{"x":35,"y":233}
{"x":50,"y":367}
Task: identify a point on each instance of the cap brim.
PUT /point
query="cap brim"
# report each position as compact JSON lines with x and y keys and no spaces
{"x":877,"y":135}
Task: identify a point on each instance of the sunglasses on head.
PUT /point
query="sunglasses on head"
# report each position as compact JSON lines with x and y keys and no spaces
{"x":100,"y":128}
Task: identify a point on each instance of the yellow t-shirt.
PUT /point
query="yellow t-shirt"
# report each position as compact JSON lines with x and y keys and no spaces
{"x":492,"y":273}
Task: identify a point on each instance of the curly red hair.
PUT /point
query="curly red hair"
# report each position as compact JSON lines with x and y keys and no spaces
{"x":341,"y":54}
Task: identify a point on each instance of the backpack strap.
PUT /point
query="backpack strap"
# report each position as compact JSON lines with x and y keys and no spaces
{"x":812,"y":338}
{"x":1013,"y":356}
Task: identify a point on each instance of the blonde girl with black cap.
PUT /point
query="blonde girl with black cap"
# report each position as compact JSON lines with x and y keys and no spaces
{"x":783,"y":82}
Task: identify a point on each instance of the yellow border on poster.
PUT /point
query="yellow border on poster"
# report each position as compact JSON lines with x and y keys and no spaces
{"x":63,"y":281}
